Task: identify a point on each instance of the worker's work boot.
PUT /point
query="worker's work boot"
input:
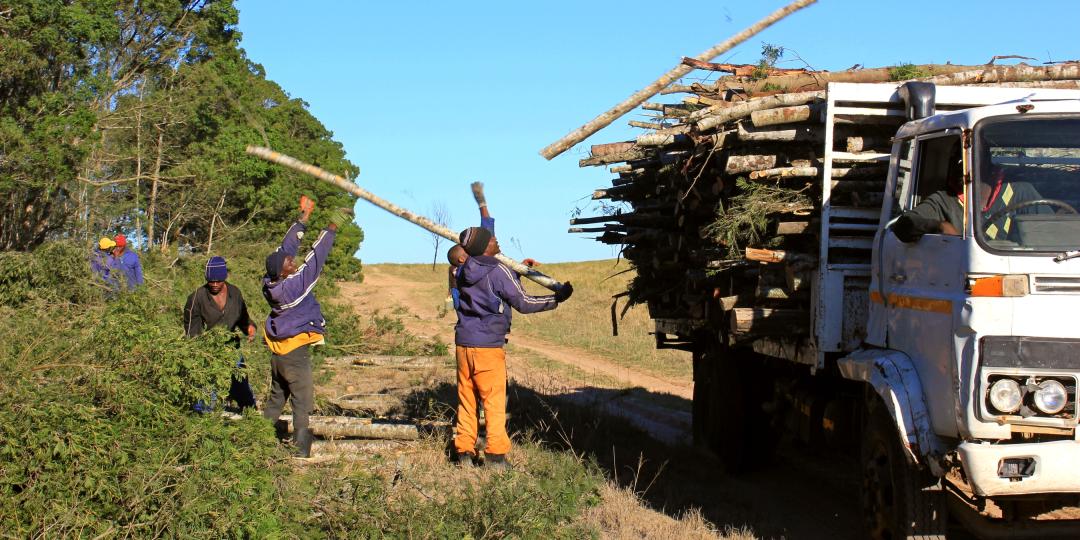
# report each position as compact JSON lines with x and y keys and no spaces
{"x":463,"y":459}
{"x":303,"y":443}
{"x":281,"y":430}
{"x":497,"y":462}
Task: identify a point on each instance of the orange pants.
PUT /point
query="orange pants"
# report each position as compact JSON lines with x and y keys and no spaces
{"x":481,"y":371}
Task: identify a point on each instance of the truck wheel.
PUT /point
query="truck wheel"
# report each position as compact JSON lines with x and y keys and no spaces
{"x":739,"y":429}
{"x":899,"y":500}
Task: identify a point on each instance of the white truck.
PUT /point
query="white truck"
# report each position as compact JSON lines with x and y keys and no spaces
{"x":951,"y":362}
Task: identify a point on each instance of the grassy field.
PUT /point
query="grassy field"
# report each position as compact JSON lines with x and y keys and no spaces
{"x":585,"y":320}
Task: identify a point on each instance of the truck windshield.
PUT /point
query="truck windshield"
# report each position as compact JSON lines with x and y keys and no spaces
{"x":1028,"y":189}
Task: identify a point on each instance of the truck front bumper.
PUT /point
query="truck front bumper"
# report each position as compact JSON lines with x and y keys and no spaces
{"x":1055,"y":470}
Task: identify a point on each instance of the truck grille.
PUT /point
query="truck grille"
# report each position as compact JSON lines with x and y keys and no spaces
{"x":1056,"y":285}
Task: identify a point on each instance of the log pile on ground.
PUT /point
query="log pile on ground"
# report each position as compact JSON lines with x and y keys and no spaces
{"x":724,"y":189}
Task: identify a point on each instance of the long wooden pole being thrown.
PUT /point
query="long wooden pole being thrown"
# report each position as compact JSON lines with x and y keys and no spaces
{"x":639,"y":97}
{"x":297,"y":165}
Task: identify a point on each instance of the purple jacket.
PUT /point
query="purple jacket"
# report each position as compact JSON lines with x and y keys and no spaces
{"x":488,"y":290}
{"x":126,"y":268}
{"x":293,"y":308}
{"x":99,"y":264}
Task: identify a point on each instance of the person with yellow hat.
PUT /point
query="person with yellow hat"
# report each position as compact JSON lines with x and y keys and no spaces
{"x":99,"y":258}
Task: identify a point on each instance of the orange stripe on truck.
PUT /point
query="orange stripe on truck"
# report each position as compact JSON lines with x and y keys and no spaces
{"x":933,"y":305}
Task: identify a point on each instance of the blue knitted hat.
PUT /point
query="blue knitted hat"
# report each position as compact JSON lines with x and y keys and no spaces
{"x":216,"y":269}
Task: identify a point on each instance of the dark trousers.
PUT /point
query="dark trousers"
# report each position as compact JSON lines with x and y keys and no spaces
{"x":291,"y":377}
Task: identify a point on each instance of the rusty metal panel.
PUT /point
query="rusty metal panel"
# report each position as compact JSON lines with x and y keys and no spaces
{"x":856,"y":311}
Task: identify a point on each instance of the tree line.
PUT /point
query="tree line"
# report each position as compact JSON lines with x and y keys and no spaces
{"x":132,"y":116}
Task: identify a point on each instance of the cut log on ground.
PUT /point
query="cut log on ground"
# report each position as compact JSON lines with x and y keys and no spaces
{"x":390,"y":361}
{"x":377,"y":403}
{"x":341,"y":427}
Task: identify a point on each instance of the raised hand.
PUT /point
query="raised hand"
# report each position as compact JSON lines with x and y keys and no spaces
{"x":564,"y":292}
{"x":306,"y":207}
{"x":478,"y":193}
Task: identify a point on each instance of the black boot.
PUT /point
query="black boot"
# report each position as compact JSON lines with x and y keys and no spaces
{"x":303,"y":443}
{"x":463,"y":459}
{"x":281,"y":430}
{"x":496,"y":461}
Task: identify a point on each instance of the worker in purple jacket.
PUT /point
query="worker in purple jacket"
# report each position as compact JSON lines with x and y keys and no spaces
{"x":488,"y":290}
{"x":296,"y":322}
{"x":124,"y":265}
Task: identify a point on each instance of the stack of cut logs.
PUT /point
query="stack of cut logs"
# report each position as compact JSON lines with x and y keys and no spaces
{"x":700,"y":160}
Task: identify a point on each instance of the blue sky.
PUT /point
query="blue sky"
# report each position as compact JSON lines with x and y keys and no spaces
{"x":429,"y":96}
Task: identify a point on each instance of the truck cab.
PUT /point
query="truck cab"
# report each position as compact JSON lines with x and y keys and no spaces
{"x":972,"y":340}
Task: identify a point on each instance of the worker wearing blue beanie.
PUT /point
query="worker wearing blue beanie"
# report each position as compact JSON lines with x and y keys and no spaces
{"x":216,"y":270}
{"x":220,"y":303}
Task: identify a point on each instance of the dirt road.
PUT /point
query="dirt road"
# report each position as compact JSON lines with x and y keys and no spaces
{"x":383,"y":289}
{"x":800,"y":497}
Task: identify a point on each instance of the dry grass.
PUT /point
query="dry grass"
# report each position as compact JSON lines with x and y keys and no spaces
{"x":567,"y":376}
{"x":585,"y":320}
{"x":622,"y":515}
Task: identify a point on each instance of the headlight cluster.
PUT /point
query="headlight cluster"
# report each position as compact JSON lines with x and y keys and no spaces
{"x":1047,"y":396}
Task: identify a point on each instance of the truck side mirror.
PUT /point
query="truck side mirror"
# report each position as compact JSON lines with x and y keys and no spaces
{"x":918,"y":99}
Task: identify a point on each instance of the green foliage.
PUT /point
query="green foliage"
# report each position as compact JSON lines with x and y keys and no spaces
{"x":56,"y":272}
{"x":908,"y":71}
{"x":99,"y":437}
{"x":770,"y":54}
{"x":742,"y":220}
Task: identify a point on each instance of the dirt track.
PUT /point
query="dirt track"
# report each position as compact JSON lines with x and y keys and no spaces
{"x":799,"y":497}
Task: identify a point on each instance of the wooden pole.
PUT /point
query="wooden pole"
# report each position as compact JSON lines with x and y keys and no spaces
{"x":348,"y":426}
{"x":639,"y":97}
{"x":333,"y":179}
{"x":715,"y":116}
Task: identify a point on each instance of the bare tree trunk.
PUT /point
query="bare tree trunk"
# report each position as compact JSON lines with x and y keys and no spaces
{"x":671,"y":76}
{"x":138,"y":160}
{"x":151,"y":208}
{"x":817,"y":80}
{"x":1009,"y":74}
{"x":715,"y":116}
{"x":213,"y":221}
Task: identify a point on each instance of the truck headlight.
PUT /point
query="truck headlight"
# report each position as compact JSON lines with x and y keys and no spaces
{"x":1051,"y":397}
{"x":1005,"y":396}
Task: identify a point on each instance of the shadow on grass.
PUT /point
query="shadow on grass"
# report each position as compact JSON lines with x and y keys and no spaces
{"x":793,"y":498}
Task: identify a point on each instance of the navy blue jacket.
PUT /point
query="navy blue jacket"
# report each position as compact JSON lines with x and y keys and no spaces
{"x":488,"y":290}
{"x":293,"y":308}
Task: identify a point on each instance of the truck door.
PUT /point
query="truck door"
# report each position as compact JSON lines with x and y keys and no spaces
{"x":919,"y":284}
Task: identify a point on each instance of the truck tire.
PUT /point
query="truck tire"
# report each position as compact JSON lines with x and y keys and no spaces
{"x":739,"y":430}
{"x":899,"y":501}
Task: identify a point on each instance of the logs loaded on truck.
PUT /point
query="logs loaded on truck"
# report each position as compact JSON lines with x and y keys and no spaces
{"x":758,"y":214}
